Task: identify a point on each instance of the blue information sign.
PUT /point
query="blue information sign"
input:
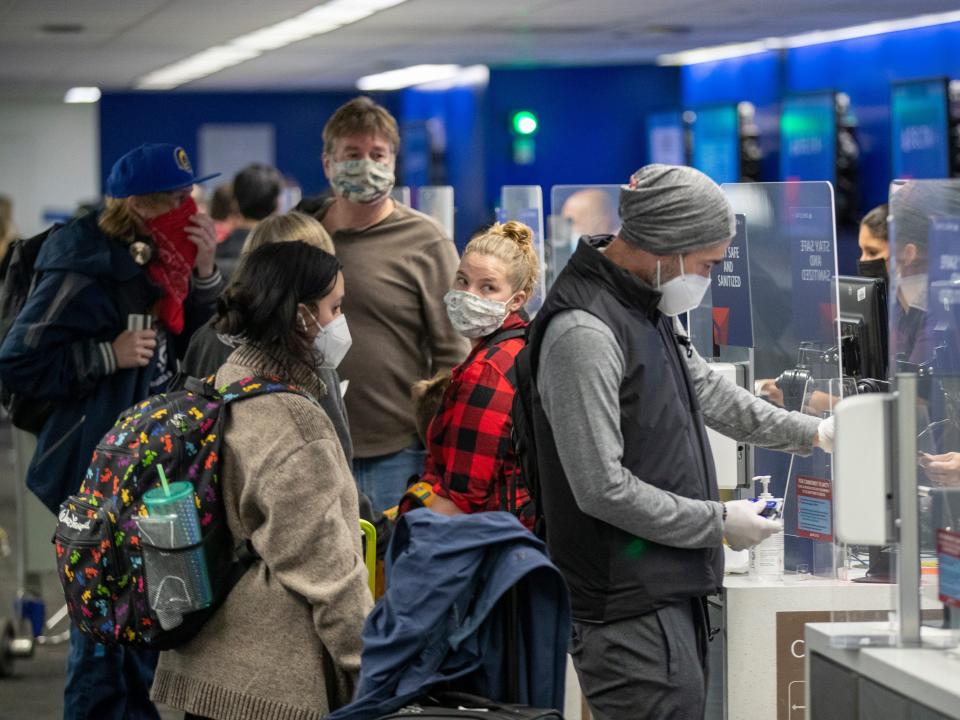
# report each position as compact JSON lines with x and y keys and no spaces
{"x":716,"y":143}
{"x":732,"y":309}
{"x":665,"y":138}
{"x":814,"y":508}
{"x":808,"y":138}
{"x":918,"y":120}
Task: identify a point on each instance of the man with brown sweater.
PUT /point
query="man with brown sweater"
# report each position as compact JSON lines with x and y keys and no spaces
{"x":397,"y":265}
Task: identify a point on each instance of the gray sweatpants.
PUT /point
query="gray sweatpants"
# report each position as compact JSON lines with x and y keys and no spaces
{"x":649,"y":667}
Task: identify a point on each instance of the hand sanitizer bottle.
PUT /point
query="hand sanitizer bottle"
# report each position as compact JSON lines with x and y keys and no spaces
{"x":766,"y":559}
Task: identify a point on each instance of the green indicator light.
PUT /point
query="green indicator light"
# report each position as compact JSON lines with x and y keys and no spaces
{"x":524,"y":122}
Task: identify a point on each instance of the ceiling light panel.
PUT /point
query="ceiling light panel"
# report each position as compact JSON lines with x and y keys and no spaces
{"x":722,"y":52}
{"x":196,"y":66}
{"x":405,"y":77}
{"x":82,"y":95}
{"x":316,"y":21}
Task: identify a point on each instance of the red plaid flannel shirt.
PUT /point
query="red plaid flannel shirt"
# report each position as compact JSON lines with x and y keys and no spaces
{"x":470,"y":457}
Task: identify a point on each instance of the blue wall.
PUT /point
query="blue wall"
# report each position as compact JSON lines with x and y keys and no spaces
{"x":754,"y":78}
{"x":863,"y":68}
{"x":458,"y":113}
{"x":129,"y":119}
{"x":592,"y":120}
{"x":592,"y":123}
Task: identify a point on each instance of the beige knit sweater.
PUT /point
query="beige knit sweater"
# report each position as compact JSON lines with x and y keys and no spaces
{"x":286,"y":643}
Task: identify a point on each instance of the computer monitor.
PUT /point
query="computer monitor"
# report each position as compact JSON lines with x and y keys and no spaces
{"x":862,"y":315}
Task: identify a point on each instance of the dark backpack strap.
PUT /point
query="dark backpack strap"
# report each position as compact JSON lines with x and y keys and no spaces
{"x":241,"y":390}
{"x":201,"y":386}
{"x":508,"y":493}
{"x":502,"y":335}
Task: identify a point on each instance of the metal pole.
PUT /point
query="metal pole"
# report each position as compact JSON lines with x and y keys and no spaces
{"x":20,"y":498}
{"x":908,"y":520}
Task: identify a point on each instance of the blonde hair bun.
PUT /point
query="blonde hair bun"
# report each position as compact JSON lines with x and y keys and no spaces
{"x":521,"y":234}
{"x":511,"y":242}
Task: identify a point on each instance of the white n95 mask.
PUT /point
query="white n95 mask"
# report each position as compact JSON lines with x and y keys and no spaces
{"x":473,"y":316}
{"x":332,"y":342}
{"x":361,"y":181}
{"x":681,"y":294}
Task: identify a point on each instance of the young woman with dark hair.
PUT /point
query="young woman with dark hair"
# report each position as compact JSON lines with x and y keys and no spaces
{"x":286,"y":643}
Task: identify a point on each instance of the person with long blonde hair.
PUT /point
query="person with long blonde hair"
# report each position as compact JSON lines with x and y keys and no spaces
{"x":470,"y":459}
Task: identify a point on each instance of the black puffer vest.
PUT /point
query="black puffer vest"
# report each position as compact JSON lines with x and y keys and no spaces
{"x":614,"y":575}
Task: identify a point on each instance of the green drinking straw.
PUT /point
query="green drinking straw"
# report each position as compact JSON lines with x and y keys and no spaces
{"x":163,"y":480}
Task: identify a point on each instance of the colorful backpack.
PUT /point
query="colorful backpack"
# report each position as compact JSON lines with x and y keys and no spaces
{"x":98,"y":541}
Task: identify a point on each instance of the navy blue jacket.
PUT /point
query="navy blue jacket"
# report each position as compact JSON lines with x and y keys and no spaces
{"x":442,"y":617}
{"x":59,"y":348}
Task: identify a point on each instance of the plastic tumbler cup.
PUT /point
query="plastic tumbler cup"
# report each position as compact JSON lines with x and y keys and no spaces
{"x":175,"y":565}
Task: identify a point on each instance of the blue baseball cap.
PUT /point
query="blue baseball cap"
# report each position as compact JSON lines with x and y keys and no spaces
{"x":151,"y":168}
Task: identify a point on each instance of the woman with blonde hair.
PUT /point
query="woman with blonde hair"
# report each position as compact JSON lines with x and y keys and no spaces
{"x":292,"y":226}
{"x":470,"y":459}
{"x":209,"y":349}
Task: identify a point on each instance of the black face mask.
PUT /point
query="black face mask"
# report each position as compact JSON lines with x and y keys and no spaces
{"x":873,"y":269}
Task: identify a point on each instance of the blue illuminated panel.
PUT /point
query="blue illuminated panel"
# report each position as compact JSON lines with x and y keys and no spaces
{"x":918,"y":119}
{"x":665,"y":138}
{"x":716,"y":143}
{"x":808,"y":138}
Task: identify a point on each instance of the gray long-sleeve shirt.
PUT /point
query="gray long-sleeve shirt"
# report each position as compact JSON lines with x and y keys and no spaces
{"x":580,"y":372}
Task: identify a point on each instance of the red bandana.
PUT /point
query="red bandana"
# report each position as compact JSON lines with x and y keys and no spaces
{"x":173,"y":262}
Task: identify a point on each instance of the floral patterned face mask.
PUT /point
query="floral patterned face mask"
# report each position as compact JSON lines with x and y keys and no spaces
{"x":361,"y":181}
{"x":473,"y":316}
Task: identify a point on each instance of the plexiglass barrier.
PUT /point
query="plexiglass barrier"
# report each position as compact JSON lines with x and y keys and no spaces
{"x":772,"y":303}
{"x":577,"y":210}
{"x":437,"y":202}
{"x":924,"y":313}
{"x":524,"y":203}
{"x":401,"y":193}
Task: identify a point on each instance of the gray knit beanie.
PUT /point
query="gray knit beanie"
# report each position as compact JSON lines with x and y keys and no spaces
{"x":668,"y":209}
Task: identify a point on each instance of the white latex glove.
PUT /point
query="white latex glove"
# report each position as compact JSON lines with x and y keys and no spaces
{"x":826,"y":431}
{"x":744,"y":527}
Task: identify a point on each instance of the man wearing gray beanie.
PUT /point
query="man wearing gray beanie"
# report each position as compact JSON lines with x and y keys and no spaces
{"x":628,"y":489}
